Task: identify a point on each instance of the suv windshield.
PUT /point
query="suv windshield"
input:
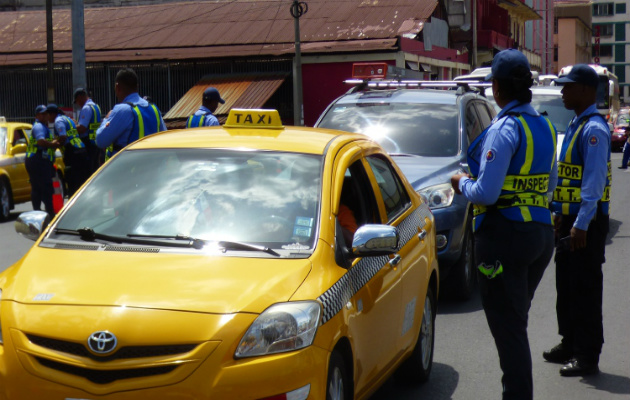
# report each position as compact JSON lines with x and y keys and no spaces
{"x":255,"y":197}
{"x":419,"y":129}
{"x":556,"y":112}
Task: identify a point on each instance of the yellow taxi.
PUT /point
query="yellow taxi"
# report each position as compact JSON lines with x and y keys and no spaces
{"x":15,"y":186}
{"x":247,"y":261}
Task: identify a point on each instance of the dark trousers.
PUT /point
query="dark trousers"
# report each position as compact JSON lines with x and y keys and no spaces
{"x":94,"y":155}
{"x":524,"y":250}
{"x":77,"y":168}
{"x":579,"y":285}
{"x":40,"y":173}
{"x":626,"y":155}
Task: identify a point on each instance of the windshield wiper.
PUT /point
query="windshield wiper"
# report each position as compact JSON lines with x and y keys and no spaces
{"x":227,"y":245}
{"x":88,"y":235}
{"x":403,"y":155}
{"x":192,"y":242}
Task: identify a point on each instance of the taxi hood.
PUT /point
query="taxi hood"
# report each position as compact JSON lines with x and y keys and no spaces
{"x":197,"y":283}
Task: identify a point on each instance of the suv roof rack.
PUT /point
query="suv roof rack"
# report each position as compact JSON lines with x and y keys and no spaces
{"x":462,"y":86}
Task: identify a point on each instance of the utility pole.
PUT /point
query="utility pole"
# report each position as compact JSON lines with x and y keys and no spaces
{"x":78,"y":45}
{"x":49,"y":53}
{"x":474,"y":32}
{"x":297,"y":10}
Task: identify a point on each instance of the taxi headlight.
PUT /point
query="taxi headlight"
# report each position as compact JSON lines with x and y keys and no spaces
{"x":280,"y":328}
{"x":438,"y":196}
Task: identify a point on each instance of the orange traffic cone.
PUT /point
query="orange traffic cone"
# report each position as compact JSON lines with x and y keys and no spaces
{"x":57,"y":195}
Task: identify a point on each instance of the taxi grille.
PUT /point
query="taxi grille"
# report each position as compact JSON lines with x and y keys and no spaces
{"x":80,"y":350}
{"x":107,"y":376}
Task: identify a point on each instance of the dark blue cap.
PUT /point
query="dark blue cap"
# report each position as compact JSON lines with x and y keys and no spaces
{"x":580,"y":73}
{"x":504,"y":63}
{"x":52,"y":108}
{"x":40,"y":109}
{"x":79,"y":91}
{"x":212,"y":94}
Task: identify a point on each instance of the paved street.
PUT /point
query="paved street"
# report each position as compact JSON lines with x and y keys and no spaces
{"x":466,"y":365}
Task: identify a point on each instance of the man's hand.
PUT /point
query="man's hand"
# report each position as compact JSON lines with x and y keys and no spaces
{"x":578,"y":239}
{"x":455,"y":181}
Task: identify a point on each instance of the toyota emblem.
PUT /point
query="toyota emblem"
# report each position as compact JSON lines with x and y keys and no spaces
{"x":102,"y":342}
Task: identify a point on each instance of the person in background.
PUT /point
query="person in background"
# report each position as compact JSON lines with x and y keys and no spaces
{"x":89,"y":121}
{"x":204,"y":116}
{"x":626,"y":150}
{"x":131,"y":119}
{"x":75,"y":155}
{"x":513,"y":171}
{"x":40,"y":155}
{"x":581,"y":206}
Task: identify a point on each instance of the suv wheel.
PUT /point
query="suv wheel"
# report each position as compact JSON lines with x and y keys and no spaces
{"x":464,"y":274}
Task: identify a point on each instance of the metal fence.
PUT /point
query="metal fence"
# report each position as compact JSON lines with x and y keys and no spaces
{"x":23,"y":88}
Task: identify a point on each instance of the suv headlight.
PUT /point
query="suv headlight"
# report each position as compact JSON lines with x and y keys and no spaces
{"x":280,"y":328}
{"x":438,"y":196}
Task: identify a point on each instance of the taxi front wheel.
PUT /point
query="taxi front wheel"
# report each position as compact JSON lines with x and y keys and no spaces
{"x":337,"y":384}
{"x":417,"y":368}
{"x":5,"y":200}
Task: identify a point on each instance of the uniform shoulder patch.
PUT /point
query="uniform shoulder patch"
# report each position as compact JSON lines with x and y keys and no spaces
{"x":593,"y":140}
{"x":490,"y":155}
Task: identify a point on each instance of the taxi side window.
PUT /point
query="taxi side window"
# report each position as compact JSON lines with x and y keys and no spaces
{"x":18,"y":137}
{"x":358,"y":196}
{"x":394,"y":195}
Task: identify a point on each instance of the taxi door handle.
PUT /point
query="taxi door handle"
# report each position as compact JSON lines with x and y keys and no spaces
{"x":422,"y":234}
{"x":394,"y":261}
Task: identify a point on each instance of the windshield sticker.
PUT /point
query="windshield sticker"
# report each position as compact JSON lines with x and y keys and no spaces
{"x":302,"y":227}
{"x":304,"y":221}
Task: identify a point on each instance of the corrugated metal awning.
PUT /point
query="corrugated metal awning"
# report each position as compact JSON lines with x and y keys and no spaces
{"x":251,"y":91}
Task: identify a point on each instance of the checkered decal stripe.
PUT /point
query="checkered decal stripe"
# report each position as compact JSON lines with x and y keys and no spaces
{"x":335,"y":298}
{"x":342,"y":291}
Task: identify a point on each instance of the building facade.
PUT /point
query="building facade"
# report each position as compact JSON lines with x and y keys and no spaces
{"x":572,"y":34}
{"x":610,"y":40}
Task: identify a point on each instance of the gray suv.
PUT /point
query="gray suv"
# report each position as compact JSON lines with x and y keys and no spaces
{"x":427,"y":132}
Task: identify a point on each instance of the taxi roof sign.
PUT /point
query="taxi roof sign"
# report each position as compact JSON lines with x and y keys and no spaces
{"x":253,"y":118}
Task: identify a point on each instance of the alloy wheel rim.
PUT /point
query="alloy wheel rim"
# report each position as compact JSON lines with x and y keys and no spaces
{"x":335,"y":386}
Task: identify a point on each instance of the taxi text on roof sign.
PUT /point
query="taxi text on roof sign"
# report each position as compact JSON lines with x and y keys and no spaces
{"x":253,"y":118}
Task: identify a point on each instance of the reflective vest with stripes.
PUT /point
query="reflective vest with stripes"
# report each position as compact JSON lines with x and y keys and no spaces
{"x":32,"y":147}
{"x":72,"y":134}
{"x":195,"y":121}
{"x":567,"y":196}
{"x":523,"y":196}
{"x":146,"y":122}
{"x":95,"y":122}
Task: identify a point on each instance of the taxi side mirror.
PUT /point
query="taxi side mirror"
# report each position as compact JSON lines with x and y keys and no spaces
{"x":31,"y":224}
{"x":375,"y":240}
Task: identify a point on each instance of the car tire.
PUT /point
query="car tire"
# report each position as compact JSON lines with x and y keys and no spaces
{"x":417,"y":368}
{"x":338,"y":385}
{"x":463,"y":277}
{"x":5,"y":200}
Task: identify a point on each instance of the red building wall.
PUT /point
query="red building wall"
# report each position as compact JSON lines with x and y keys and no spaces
{"x":323,"y":83}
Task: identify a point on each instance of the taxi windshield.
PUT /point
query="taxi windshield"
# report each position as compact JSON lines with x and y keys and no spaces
{"x":420,"y":129}
{"x":3,"y":140}
{"x":264,"y":198}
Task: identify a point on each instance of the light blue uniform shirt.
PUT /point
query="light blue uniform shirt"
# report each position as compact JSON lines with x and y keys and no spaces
{"x":86,"y":116}
{"x":117,"y":128}
{"x":210,"y":119}
{"x":60,"y":126}
{"x":40,"y":131}
{"x":503,"y":139}
{"x":595,"y":155}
